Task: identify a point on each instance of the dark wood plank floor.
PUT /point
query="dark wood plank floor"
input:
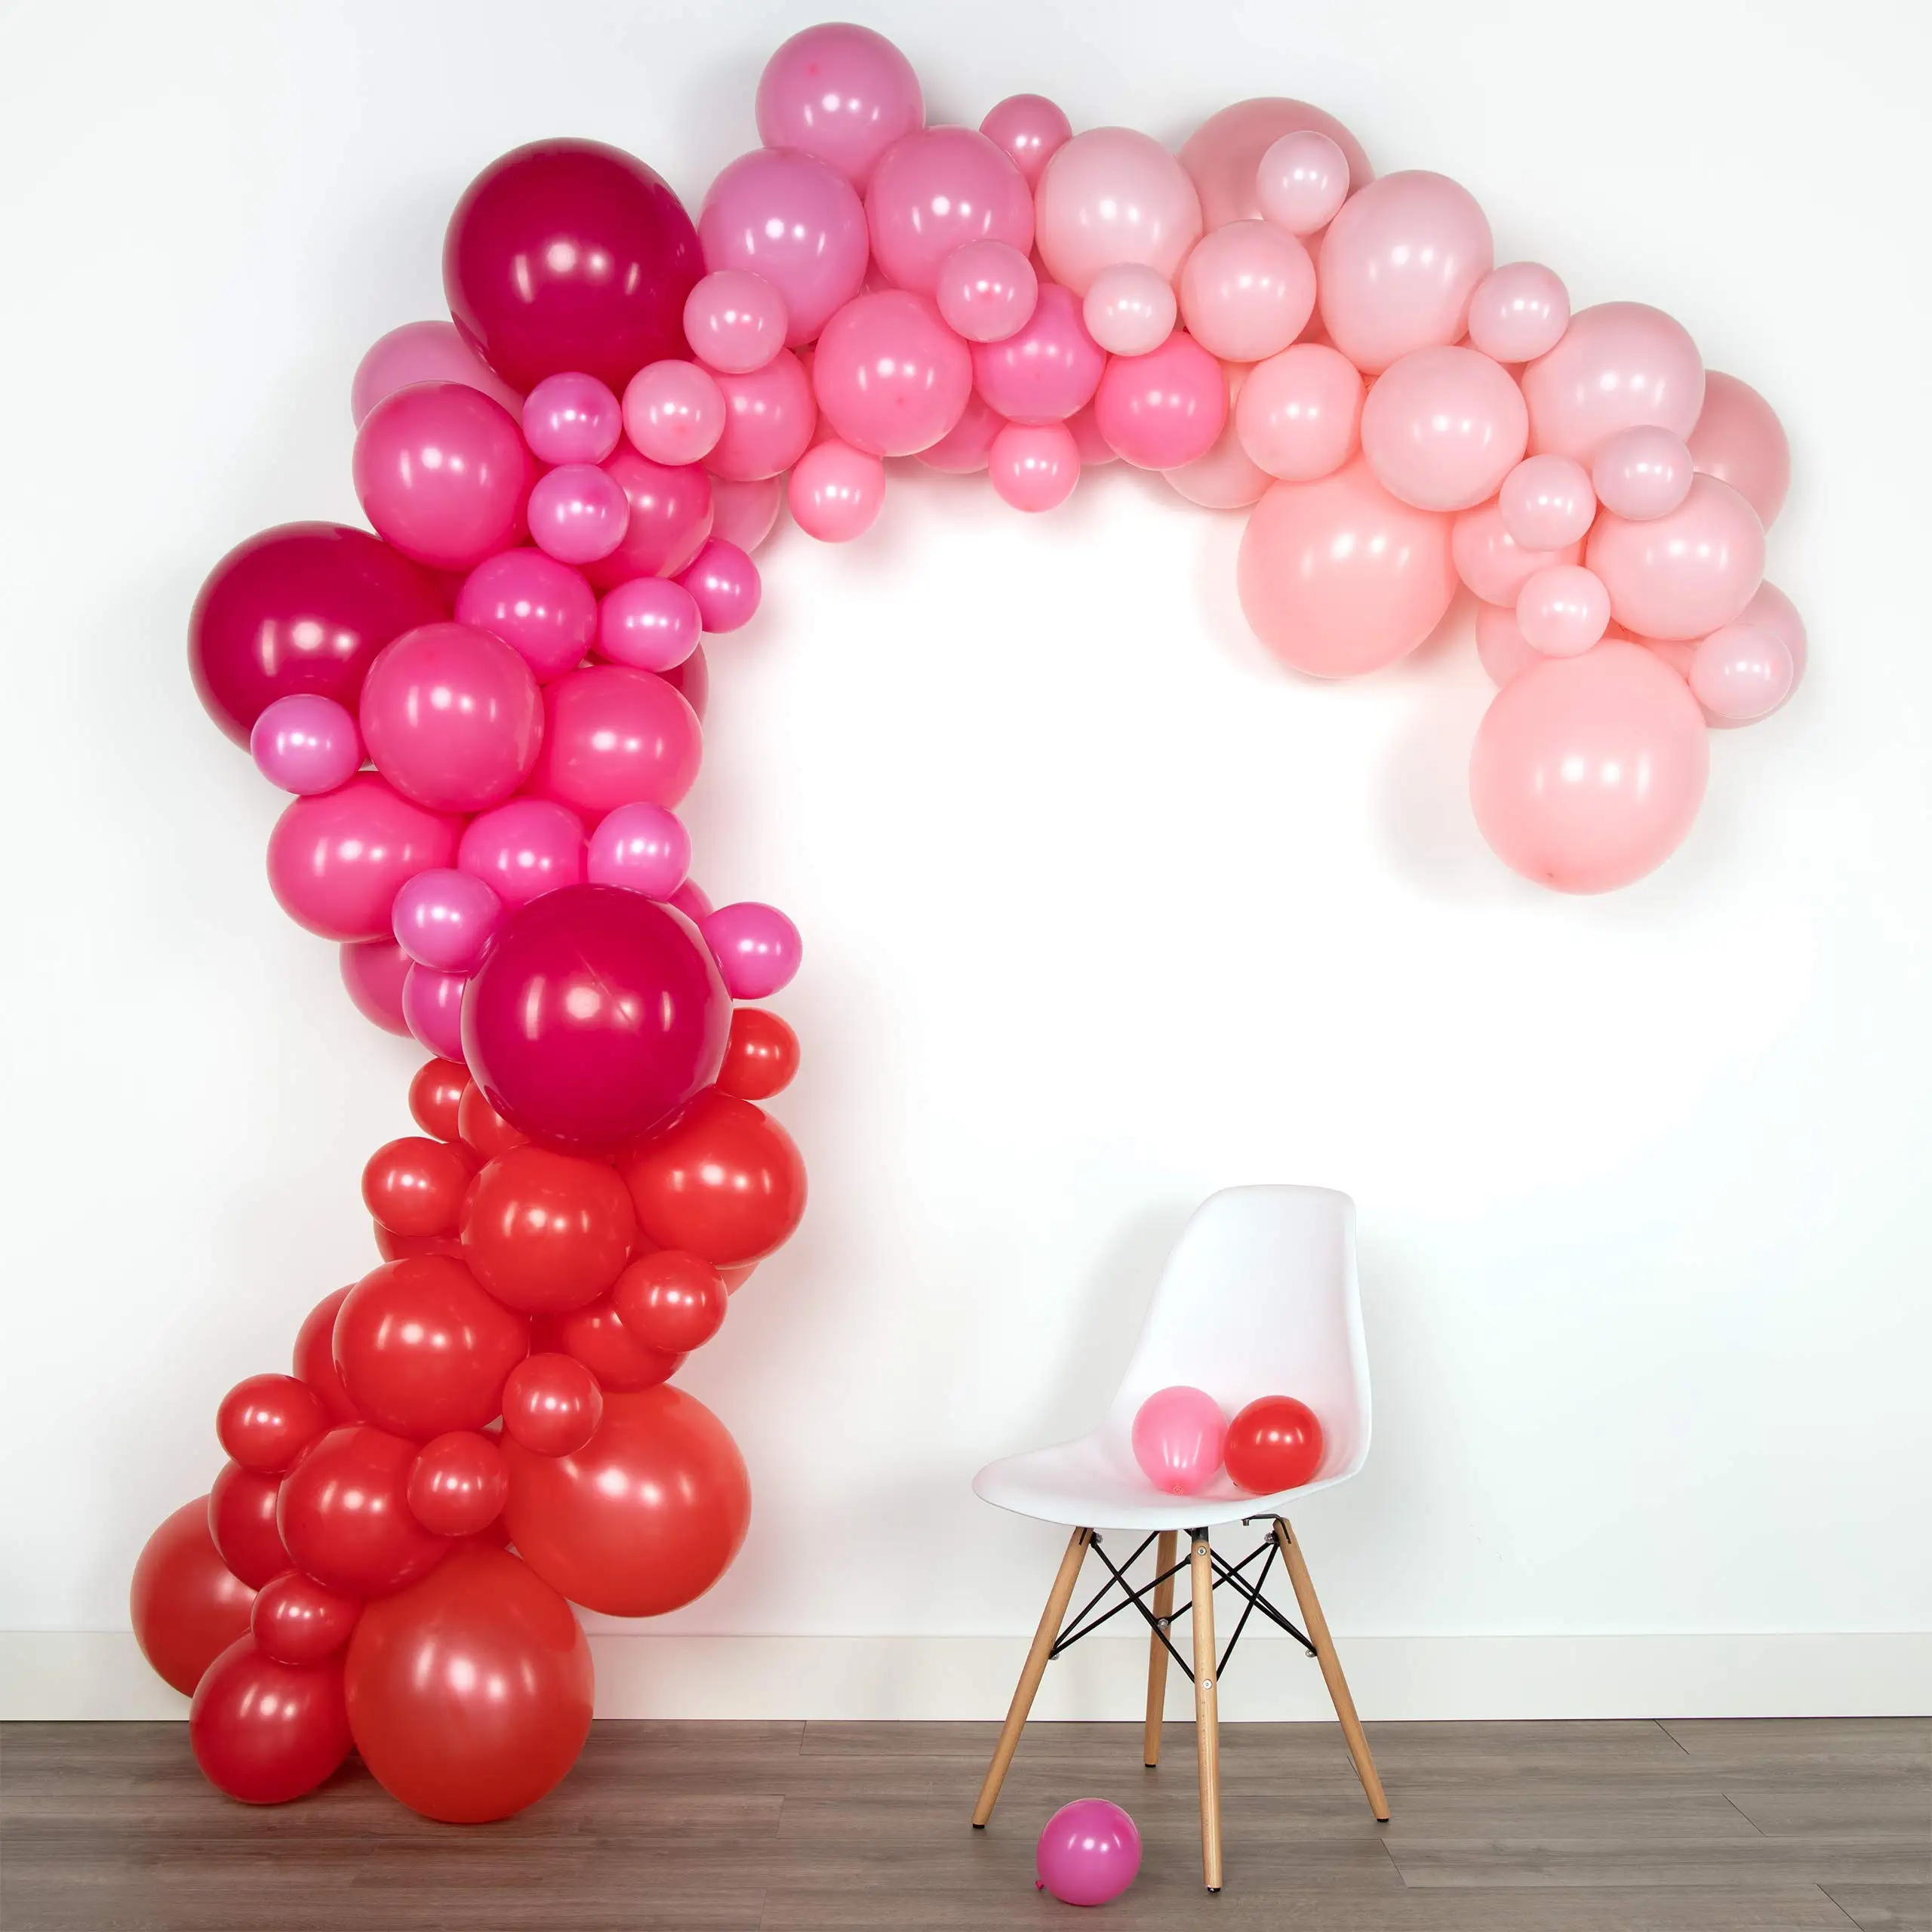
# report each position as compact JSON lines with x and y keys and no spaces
{"x":1712,"y":1827}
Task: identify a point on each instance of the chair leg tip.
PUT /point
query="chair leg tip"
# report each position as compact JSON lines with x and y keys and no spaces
{"x":977,"y":1826}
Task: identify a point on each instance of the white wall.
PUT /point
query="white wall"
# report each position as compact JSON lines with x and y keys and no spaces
{"x":1101,"y":911}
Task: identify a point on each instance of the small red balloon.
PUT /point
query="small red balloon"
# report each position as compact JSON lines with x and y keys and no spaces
{"x":314,"y":1357}
{"x":545,"y":1230}
{"x":187,"y":1606}
{"x":1274,"y":1443}
{"x":595,"y":1336}
{"x":415,"y":1185}
{"x":435,"y":1097}
{"x":457,"y":1483}
{"x":297,"y":1620}
{"x":266,"y":1732}
{"x":671,"y":1300}
{"x":723,"y":1180}
{"x":344,"y":1515}
{"x":552,"y":1405}
{"x":760,"y":1057}
{"x":266,"y":1421}
{"x":483,"y":1129}
{"x":242,"y":1519}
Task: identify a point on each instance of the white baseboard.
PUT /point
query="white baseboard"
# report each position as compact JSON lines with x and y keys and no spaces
{"x":100,"y":1674}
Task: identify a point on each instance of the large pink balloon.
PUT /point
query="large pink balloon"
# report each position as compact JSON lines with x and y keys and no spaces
{"x":1223,"y":155}
{"x":1738,"y":438}
{"x":1112,"y":195}
{"x":1298,"y":414}
{"x":1685,"y":574}
{"x":1588,"y":772}
{"x":769,"y":418}
{"x":1618,"y":364}
{"x":441,"y":472}
{"x":336,"y":860}
{"x":796,"y":222}
{"x":841,"y":93}
{"x":1443,"y":427}
{"x":889,"y":377}
{"x":422,"y":352}
{"x":1337,"y":577}
{"x":936,"y":190}
{"x":612,"y":735}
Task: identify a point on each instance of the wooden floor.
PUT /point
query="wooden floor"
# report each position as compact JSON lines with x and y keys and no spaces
{"x":1711,"y":1826}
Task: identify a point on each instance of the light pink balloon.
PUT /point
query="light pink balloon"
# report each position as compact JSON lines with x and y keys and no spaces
{"x":1640,"y":472}
{"x":889,"y":377}
{"x":1738,"y":439}
{"x":445,"y":919}
{"x":789,"y":217}
{"x":306,"y":743}
{"x":934,"y":191}
{"x":1223,"y":156}
{"x":770,"y":418}
{"x":1129,"y":308}
{"x":1618,"y":365}
{"x":1113,"y":195}
{"x":1442,"y":428}
{"x":726,"y":585}
{"x":1298,"y":414}
{"x":757,"y":949}
{"x":841,"y":93}
{"x":1518,"y":311}
{"x":986,"y":291}
{"x":641,"y":847}
{"x":441,"y":472}
{"x":1338,"y":577}
{"x":967,"y":447}
{"x":1163,"y":409}
{"x":337,"y":860}
{"x":1546,"y":503}
{"x":432,"y":1004}
{"x":1302,"y":182}
{"x":578,"y":512}
{"x":1178,"y":1437}
{"x":1563,"y":609}
{"x":543,"y":610}
{"x":1774,"y":611}
{"x":1034,"y":465}
{"x":1226,"y":477}
{"x":1685,"y":574}
{"x":1742,"y":671}
{"x":836,"y":492}
{"x":1587,"y":772}
{"x":743,"y":513}
{"x":650,"y":623}
{"x":571,"y":418}
{"x":735,"y":321}
{"x":674,"y":412}
{"x":524,"y":849}
{"x":373,"y":970}
{"x":1247,"y":290}
{"x":1505,"y":652}
{"x":1048,"y":369}
{"x":1030,"y":130}
{"x":422,"y":352}
{"x":1492,"y":563}
{"x":1399,"y":265}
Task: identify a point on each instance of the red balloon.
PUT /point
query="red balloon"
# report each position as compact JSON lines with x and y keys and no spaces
{"x":673,"y":1301}
{"x":242,"y":1520}
{"x":552,"y":1405}
{"x":266,"y":1732}
{"x":266,"y":1421}
{"x":722,"y":1181}
{"x":422,"y":1349}
{"x":457,"y":1483}
{"x":304,"y":607}
{"x":1273,"y":1444}
{"x":187,"y":1605}
{"x":315,"y":1358}
{"x":671,"y":512}
{"x":344,"y":1514}
{"x":297,"y":1620}
{"x":646,"y":1516}
{"x":614,"y":736}
{"x":484,"y":1130}
{"x":595,"y":1336}
{"x":598,"y":1013}
{"x":469,"y":1693}
{"x":760,"y":1056}
{"x":544,"y":1231}
{"x":435,"y":1097}
{"x":406,"y":1247}
{"x":415,"y":1185}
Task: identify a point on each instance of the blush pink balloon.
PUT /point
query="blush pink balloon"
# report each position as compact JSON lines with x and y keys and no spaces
{"x":1492,"y":563}
{"x":1500,"y":644}
{"x":1163,"y":409}
{"x":650,"y":623}
{"x":726,"y":583}
{"x":579,"y":513}
{"x":442,"y":472}
{"x":571,"y":418}
{"x":1518,"y":311}
{"x":1563,"y":609}
{"x":1298,"y":414}
{"x":1029,"y":130}
{"x":1034,"y":465}
{"x":612,"y":735}
{"x":836,"y":492}
{"x":1088,"y":440}
{"x":1223,"y":155}
{"x":306,"y":743}
{"x":1587,"y":772}
{"x":1337,"y":577}
{"x":769,"y":417}
{"x":735,"y":321}
{"x":1619,"y":365}
{"x":967,"y":447}
{"x":422,"y":352}
{"x":445,"y":919}
{"x":1399,"y":265}
{"x":543,"y":609}
{"x":934,"y":191}
{"x":337,"y":860}
{"x":1773,"y":610}
{"x":1047,"y":370}
{"x":1113,"y":195}
{"x":1302,"y":182}
{"x":373,"y":970}
{"x":986,"y":291}
{"x":674,"y":412}
{"x":1225,"y":478}
{"x":432,"y":1004}
{"x":669,"y":518}
{"x":1742,"y":671}
{"x":843,"y":94}
{"x":1685,"y":574}
{"x":1247,"y":290}
{"x":1178,"y":1436}
{"x":744,"y":513}
{"x":641,"y":847}
{"x":1640,"y":472}
{"x":1129,"y":308}
{"x":757,"y":949}
{"x":889,"y":377}
{"x":524,"y":849}
{"x":1547,"y":502}
{"x":1442,"y":428}
{"x":1738,"y":439}
{"x":788,"y":216}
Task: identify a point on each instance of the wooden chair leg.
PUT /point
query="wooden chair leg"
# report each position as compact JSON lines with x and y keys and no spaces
{"x":1157,"y":1651}
{"x":1050,"y":1619}
{"x":1206,"y":1709}
{"x":1331,"y":1667}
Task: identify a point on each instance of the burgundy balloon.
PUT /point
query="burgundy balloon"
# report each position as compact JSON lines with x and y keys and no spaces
{"x":569,"y":255}
{"x":597,"y":1015}
{"x":304,"y":607}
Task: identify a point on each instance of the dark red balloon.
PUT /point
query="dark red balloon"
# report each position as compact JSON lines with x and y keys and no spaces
{"x":304,"y":607}
{"x":552,"y":1405}
{"x":723,"y":1180}
{"x":315,"y":1358}
{"x":266,"y":1732}
{"x":187,"y":1605}
{"x":597,"y":1015}
{"x":673,"y":1301}
{"x":435,"y":1097}
{"x":297,"y":1620}
{"x":266,"y":1421}
{"x":242,"y":1519}
{"x":344,"y":1514}
{"x":1273,"y":1444}
{"x":598,"y":1340}
{"x":544,"y":1231}
{"x":415,"y":1185}
{"x":458,"y":1483}
{"x":760,"y":1057}
{"x":570,"y":255}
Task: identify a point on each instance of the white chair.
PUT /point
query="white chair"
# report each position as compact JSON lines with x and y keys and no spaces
{"x":1258,"y":1298}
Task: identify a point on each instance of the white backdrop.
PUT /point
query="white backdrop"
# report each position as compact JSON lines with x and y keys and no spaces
{"x":1101,"y":911}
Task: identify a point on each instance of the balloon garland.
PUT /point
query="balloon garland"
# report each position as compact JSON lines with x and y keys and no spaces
{"x":488,"y":711}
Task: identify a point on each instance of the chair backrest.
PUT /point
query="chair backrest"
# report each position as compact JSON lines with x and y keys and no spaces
{"x":1259,"y":1297}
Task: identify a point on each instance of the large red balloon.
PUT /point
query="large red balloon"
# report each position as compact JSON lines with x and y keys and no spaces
{"x":570,"y":255}
{"x":1274,"y":1443}
{"x":598,"y":1013}
{"x":242,"y":1519}
{"x":315,"y":1358}
{"x":646,"y":1516}
{"x":598,"y":1340}
{"x":266,"y":1732}
{"x":544,"y":1231}
{"x":304,"y":607}
{"x":344,"y":1514}
{"x":469,"y":1693}
{"x":187,"y":1605}
{"x":723,"y":1180}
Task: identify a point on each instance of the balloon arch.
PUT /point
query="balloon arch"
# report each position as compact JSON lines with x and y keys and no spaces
{"x":488,"y":711}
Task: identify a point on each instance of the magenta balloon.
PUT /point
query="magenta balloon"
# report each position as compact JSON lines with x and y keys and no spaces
{"x":611,"y":735}
{"x":889,"y":377}
{"x":841,"y":93}
{"x":650,"y":623}
{"x":769,"y":419}
{"x":543,"y":610}
{"x":1492,"y":563}
{"x":1089,"y":1852}
{"x":1443,"y":427}
{"x":445,"y":919}
{"x":571,"y":418}
{"x":304,"y":607}
{"x":1045,"y":371}
{"x":374,"y":970}
{"x":669,"y":519}
{"x":796,"y":222}
{"x":1587,"y":772}
{"x":1738,"y":439}
{"x":1685,"y":574}
{"x":1518,"y":311}
{"x":306,"y":743}
{"x":643,"y":848}
{"x":726,"y":585}
{"x":598,"y":1014}
{"x":422,"y":352}
{"x":524,"y":849}
{"x":336,"y":861}
{"x":744,"y":513}
{"x":432,"y":1004}
{"x":1029,"y":130}
{"x":757,"y":948}
{"x":442,"y":473}
{"x":1164,"y":409}
{"x":1620,"y":364}
{"x":578,"y":513}
{"x":570,"y":256}
{"x":1223,"y":155}
{"x":935,"y":191}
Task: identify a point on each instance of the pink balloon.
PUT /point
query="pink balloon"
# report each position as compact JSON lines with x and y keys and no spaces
{"x":571,"y":418}
{"x":641,"y":847}
{"x":1773,"y":610}
{"x":735,"y":321}
{"x":889,"y":377}
{"x":986,"y":291}
{"x":1518,"y":311}
{"x":1302,"y":182}
{"x":1443,"y":427}
{"x":669,"y":519}
{"x":1546,"y":502}
{"x":451,"y":717}
{"x":836,"y":492}
{"x":1563,"y":609}
{"x":726,"y":584}
{"x":1129,"y":310}
{"x":612,"y":735}
{"x":769,"y":416}
{"x":1112,"y":195}
{"x":1399,"y":265}
{"x":1505,"y":652}
{"x":1738,"y":439}
{"x":1247,"y":290}
{"x":784,"y":215}
{"x":1492,"y":563}
{"x":442,"y":472}
{"x":1587,"y":772}
{"x":650,"y":623}
{"x":1223,"y":156}
{"x":1163,"y":409}
{"x":306,"y":743}
{"x":841,"y":93}
{"x":1034,"y":465}
{"x":524,"y":849}
{"x":1178,"y":1436}
{"x":1618,"y":365}
{"x":543,"y":610}
{"x":1089,"y":1853}
{"x":1742,"y":671}
{"x":744,"y":513}
{"x":690,"y":899}
{"x":578,"y":513}
{"x":1094,"y":447}
{"x":1640,"y":472}
{"x":445,"y":919}
{"x":757,"y":948}
{"x":1685,"y":574}
{"x":1046,"y":371}
{"x":337,"y":860}
{"x":935,"y":191}
{"x":373,"y":970}
{"x":1225,"y":478}
{"x":1029,"y":130}
{"x":1298,"y":414}
{"x":674,"y":412}
{"x":432,"y":1004}
{"x":967,"y":446}
{"x":422,"y":352}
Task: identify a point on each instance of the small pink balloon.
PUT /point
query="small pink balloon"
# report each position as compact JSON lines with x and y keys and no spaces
{"x":306,"y":743}
{"x":1518,"y":311}
{"x":1113,"y":195}
{"x":889,"y":375}
{"x":422,"y":352}
{"x":1742,"y":671}
{"x":1505,"y":652}
{"x":642,"y":847}
{"x":1587,"y":772}
{"x":571,"y":418}
{"x":967,"y":447}
{"x":726,"y":584}
{"x":841,"y":93}
{"x":735,"y":321}
{"x":1088,"y":1854}
{"x":650,"y":623}
{"x":373,"y":970}
{"x":757,"y":948}
{"x":1563,"y":609}
{"x":1738,"y":439}
{"x":1129,"y":308}
{"x":1034,"y":465}
{"x":744,"y":513}
{"x":545,"y":611}
{"x":445,"y":919}
{"x":1640,"y":472}
{"x":670,"y":517}
{"x":432,"y":1004}
{"x":1302,"y":182}
{"x":769,"y":417}
{"x":836,"y":492}
{"x":1685,"y":574}
{"x":1547,"y":502}
{"x":578,"y":513}
{"x":1226,"y":477}
{"x":440,"y":471}
{"x":524,"y":849}
{"x":1223,"y":156}
{"x":1030,"y":130}
{"x":1618,"y":365}
{"x":1247,"y":290}
{"x":674,"y":412}
{"x":337,"y":860}
{"x":1163,"y":409}
{"x":1046,"y":371}
{"x":785,"y":215}
{"x":1773,"y":610}
{"x":1298,"y":414}
{"x":986,"y":291}
{"x":1492,"y":563}
{"x":1442,"y":428}
{"x":1178,"y":1437}
{"x":612,"y":735}
{"x":934,"y":191}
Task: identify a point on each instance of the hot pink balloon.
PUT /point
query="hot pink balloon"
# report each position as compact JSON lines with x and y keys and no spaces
{"x":432,"y":1004}
{"x":1089,"y":1853}
{"x":1129,"y":310}
{"x":841,"y":93}
{"x":1178,"y":1436}
{"x":650,"y":623}
{"x":1685,"y":574}
{"x":1738,"y":438}
{"x":726,"y":583}
{"x":422,"y":352}
{"x":674,"y":412}
{"x":1223,"y":156}
{"x":571,"y":417}
{"x":336,"y":861}
{"x":783,"y":214}
{"x":669,"y":519}
{"x":1563,"y":609}
{"x":1112,"y":195}
{"x":1442,"y":428}
{"x":1226,"y":477}
{"x":744,"y":513}
{"x":757,"y":948}
{"x":836,"y":492}
{"x":1505,"y":652}
{"x":986,"y":291}
{"x":769,"y":416}
{"x":524,"y":849}
{"x":1247,"y":290}
{"x":690,"y":899}
{"x":442,"y":472}
{"x":612,"y":735}
{"x":642,"y":847}
{"x":1492,"y":563}
{"x":445,"y":919}
{"x":1640,"y":472}
{"x":1619,"y":365}
{"x":373,"y":970}
{"x":545,"y":611}
{"x":578,"y":513}
{"x":1302,"y":182}
{"x":735,"y":321}
{"x":1742,"y":671}
{"x":889,"y":377}
{"x":935,"y":191}
{"x":1587,"y":772}
{"x":967,"y":447}
{"x":1165,"y":408}
{"x":306,"y":743}
{"x":1051,"y":368}
{"x":1029,"y":130}
{"x":1518,"y":311}
{"x":1298,"y":414}
{"x":1033,"y":466}
{"x":1546,"y":502}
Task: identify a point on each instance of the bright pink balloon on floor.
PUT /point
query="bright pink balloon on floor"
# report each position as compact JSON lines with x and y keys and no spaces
{"x":889,"y":377}
{"x":1298,"y":414}
{"x":1302,"y":182}
{"x":1089,"y":1853}
{"x":986,"y":290}
{"x":1033,"y":466}
{"x":1640,"y":472}
{"x":1618,"y":365}
{"x":306,"y":743}
{"x":669,"y":519}
{"x":1492,"y":563}
{"x":571,"y":417}
{"x":1163,"y":409}
{"x":757,"y":948}
{"x":1177,"y":1438}
{"x":578,"y":513}
{"x":726,"y":585}
{"x":1518,"y":311}
{"x":674,"y":412}
{"x":544,"y":610}
{"x":1246,"y":289}
{"x":1029,"y":130}
{"x":1047,"y":370}
{"x":782,"y":214}
{"x":935,"y":191}
{"x":745,"y":513}
{"x":841,"y":93}
{"x":650,"y":623}
{"x":1563,"y":609}
{"x":1443,"y":427}
{"x":422,"y":352}
{"x":1738,"y":438}
{"x":524,"y":849}
{"x":1114,"y":195}
{"x":432,"y":1004}
{"x":442,"y":472}
{"x":611,"y":735}
{"x":642,"y":847}
{"x":1685,"y":574}
{"x":1223,"y":156}
{"x":769,"y":416}
{"x":836,"y":492}
{"x":1742,"y":672}
{"x":336,"y":861}
{"x":445,"y":919}
{"x":735,"y":321}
